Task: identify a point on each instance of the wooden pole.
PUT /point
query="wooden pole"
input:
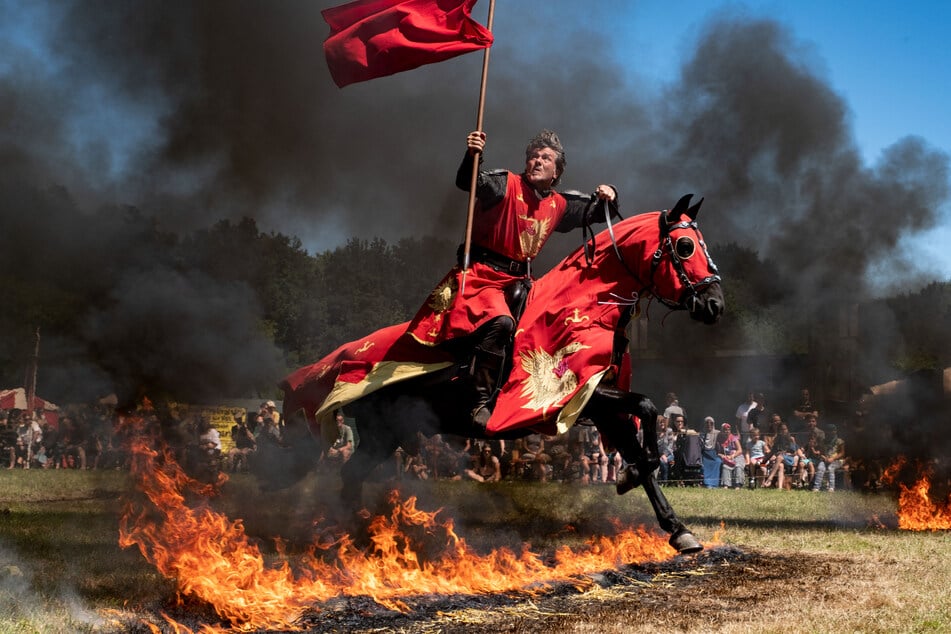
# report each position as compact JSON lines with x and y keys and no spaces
{"x":32,"y":374}
{"x":475,"y":163}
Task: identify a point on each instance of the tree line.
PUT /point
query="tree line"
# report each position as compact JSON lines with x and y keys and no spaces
{"x":229,"y":308}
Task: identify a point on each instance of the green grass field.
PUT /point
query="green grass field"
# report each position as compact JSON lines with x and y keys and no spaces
{"x":61,"y":569}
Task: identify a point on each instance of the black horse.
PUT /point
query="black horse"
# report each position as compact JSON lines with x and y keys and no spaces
{"x":567,"y":362}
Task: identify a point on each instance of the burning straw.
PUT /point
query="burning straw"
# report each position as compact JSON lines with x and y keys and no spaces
{"x":917,"y":510}
{"x":212,"y":558}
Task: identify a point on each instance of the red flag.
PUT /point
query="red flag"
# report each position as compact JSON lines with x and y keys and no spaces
{"x":375,"y":38}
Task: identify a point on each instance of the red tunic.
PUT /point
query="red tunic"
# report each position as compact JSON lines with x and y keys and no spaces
{"x":516,"y":228}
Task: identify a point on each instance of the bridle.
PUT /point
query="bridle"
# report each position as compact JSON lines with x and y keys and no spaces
{"x":691,"y":291}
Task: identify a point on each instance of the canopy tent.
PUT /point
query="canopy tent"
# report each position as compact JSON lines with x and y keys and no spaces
{"x":17,"y":397}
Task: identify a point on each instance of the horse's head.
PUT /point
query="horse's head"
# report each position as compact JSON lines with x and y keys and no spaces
{"x":682,"y":273}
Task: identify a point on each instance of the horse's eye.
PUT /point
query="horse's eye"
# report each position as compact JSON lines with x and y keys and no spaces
{"x":684,"y":247}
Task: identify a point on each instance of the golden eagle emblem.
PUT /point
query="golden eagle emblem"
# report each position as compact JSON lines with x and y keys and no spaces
{"x":534,"y":235}
{"x":549,"y":379}
{"x":440,"y":300}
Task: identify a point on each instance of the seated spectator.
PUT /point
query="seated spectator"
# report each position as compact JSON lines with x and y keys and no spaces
{"x":268,"y":430}
{"x":71,"y":452}
{"x":486,"y":468}
{"x":444,"y":462}
{"x":811,"y":456}
{"x":29,"y":437}
{"x":577,"y":466}
{"x":830,"y":460}
{"x":810,"y":428}
{"x":557,"y":449}
{"x":530,"y":448}
{"x":415,"y":467}
{"x":595,"y":457}
{"x":665,"y":448}
{"x":244,"y":445}
{"x":343,"y":447}
{"x":49,"y":447}
{"x":8,"y":440}
{"x":785,"y":455}
{"x":205,"y":451}
{"x":756,"y":457}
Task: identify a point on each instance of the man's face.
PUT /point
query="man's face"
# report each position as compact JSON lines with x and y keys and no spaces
{"x":540,"y":168}
{"x":339,"y":420}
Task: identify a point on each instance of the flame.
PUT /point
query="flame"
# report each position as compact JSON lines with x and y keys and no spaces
{"x":412,"y":552}
{"x":916,"y":509}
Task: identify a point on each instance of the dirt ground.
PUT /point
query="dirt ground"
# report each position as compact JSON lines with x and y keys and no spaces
{"x":722,"y":589}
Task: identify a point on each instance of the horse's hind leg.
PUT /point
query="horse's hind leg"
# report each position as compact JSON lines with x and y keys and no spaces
{"x":610,"y":408}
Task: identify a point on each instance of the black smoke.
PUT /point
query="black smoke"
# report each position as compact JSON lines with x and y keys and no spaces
{"x":230,"y":112}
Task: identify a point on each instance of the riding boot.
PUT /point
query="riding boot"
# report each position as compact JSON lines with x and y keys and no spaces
{"x":486,"y":367}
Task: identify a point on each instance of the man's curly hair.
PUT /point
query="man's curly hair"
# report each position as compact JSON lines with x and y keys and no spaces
{"x":547,"y":138}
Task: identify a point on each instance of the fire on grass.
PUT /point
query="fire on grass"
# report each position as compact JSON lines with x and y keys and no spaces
{"x":412,"y":553}
{"x":917,"y":511}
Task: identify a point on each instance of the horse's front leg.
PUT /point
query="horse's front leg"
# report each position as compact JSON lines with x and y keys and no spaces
{"x":680,"y":536}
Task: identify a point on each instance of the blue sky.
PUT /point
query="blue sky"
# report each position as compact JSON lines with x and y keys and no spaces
{"x":890,"y":61}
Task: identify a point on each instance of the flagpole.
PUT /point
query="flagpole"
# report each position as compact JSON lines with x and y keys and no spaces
{"x":475,"y":163}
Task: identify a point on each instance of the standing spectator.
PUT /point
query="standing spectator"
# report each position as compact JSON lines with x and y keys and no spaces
{"x":757,"y":417}
{"x":342,"y":448}
{"x":711,"y":461}
{"x":673,"y":407}
{"x":805,"y":406}
{"x":742,"y":416}
{"x":730,"y":452}
{"x":679,"y":430}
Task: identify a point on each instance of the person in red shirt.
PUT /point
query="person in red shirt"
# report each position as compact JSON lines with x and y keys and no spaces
{"x":515,"y":215}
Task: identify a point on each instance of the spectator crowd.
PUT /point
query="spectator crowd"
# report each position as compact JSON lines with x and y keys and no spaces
{"x":757,"y":448}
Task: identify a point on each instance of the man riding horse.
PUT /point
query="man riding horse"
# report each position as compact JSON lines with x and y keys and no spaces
{"x":514,"y":217}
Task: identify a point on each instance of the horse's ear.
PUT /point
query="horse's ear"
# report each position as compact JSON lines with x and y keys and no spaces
{"x":692,"y":212}
{"x":680,"y":207}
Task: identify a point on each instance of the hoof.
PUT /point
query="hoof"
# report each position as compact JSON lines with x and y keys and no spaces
{"x":684,"y":542}
{"x":627,"y":479}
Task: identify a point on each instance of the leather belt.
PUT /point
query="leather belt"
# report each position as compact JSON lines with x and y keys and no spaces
{"x":496,"y":261}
